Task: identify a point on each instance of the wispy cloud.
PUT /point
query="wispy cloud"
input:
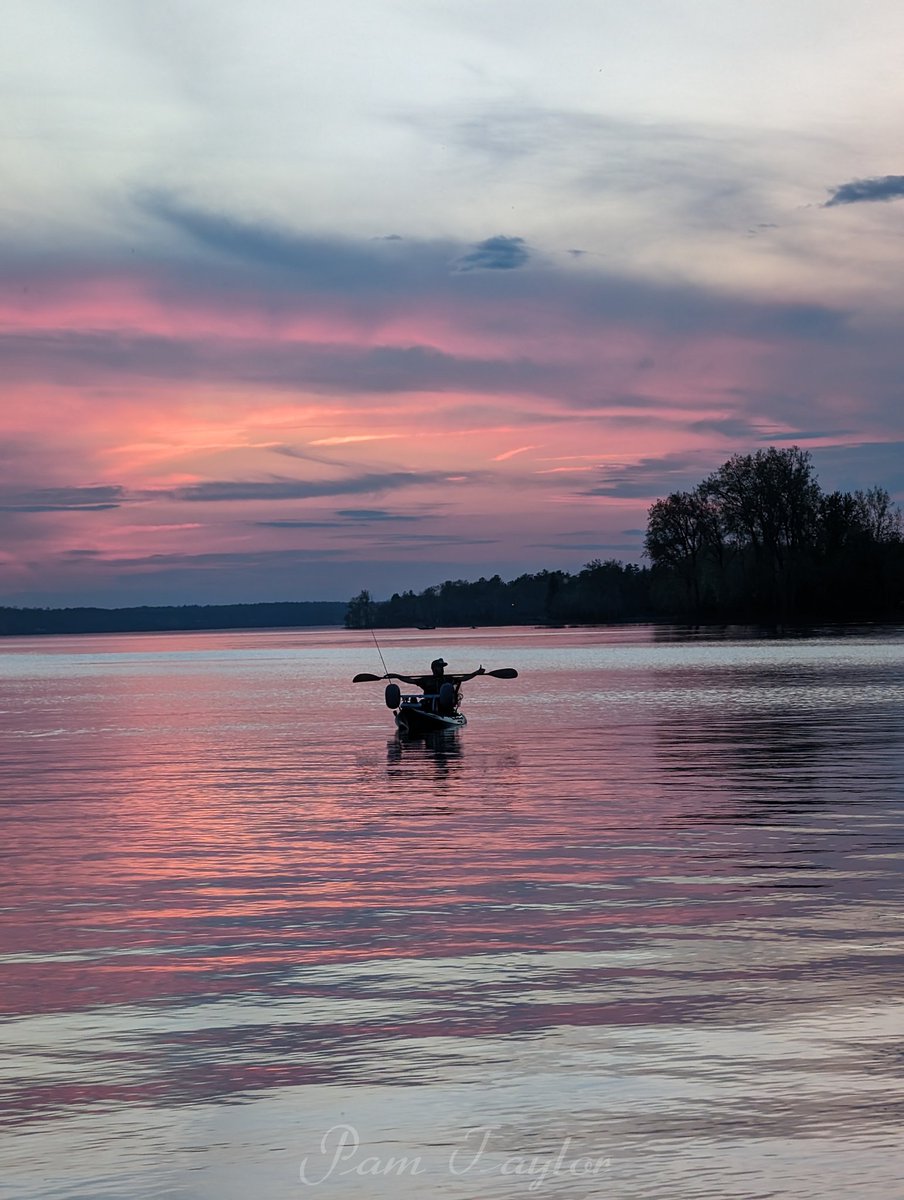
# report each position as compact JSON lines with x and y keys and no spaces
{"x":565,"y":470}
{"x":864,"y":191}
{"x":354,"y":437}
{"x":506,"y":454}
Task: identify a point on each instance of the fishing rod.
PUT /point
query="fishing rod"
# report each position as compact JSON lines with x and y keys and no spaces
{"x":379,"y":651}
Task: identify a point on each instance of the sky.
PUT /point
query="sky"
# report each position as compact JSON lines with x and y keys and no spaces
{"x":299,"y":298}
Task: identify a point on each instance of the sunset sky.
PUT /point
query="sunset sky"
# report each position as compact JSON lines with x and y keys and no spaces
{"x":301,"y":297}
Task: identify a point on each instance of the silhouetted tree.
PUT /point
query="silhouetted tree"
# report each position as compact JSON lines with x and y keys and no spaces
{"x":361,"y":611}
{"x":878,"y":517}
{"x":758,"y":538}
{"x":683,"y":533}
{"x":768,"y":509}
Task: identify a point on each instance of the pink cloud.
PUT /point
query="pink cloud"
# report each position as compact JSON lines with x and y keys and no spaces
{"x":151,"y":378}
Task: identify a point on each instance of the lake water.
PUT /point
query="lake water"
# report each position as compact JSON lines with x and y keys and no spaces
{"x":635,"y":932}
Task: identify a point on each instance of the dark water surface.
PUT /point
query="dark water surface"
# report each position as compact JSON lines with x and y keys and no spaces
{"x":635,"y":932}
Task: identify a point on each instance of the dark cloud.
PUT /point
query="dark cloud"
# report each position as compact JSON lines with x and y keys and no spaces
{"x":656,"y":477}
{"x":216,"y":560}
{"x":229,"y":264}
{"x":305,"y":455}
{"x":631,"y":401}
{"x":373,"y":274}
{"x":348,"y":518}
{"x":738,"y":428}
{"x":74,"y":358}
{"x":690,"y":310}
{"x":376,"y":514}
{"x":864,"y":191}
{"x":289,"y":524}
{"x":846,"y":466}
{"x":587,"y":547}
{"x":77,"y":358}
{"x":317,"y":260}
{"x":436,"y":539}
{"x":498,"y":253}
{"x":330,"y":262}
{"x":397,"y":369}
{"x":306,"y":262}
{"x":61,"y":499}
{"x":217,"y":491}
{"x":802,"y":435}
{"x":586,"y":541}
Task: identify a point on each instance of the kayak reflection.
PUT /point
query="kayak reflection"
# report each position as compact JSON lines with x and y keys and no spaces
{"x":442,"y":748}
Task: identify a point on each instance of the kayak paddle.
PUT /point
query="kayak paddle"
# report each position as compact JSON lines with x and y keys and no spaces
{"x":501,"y":673}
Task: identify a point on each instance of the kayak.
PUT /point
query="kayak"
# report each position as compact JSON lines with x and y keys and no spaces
{"x":435,"y":710}
{"x":424,"y":714}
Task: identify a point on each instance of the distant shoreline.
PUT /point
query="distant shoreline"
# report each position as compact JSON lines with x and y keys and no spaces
{"x":186,"y":618}
{"x":219,"y":624}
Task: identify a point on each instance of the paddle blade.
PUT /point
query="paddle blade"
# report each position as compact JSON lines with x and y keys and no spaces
{"x":503,"y":673}
{"x":365,"y":678}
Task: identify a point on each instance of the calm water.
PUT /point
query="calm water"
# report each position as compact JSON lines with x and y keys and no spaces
{"x":635,"y":932}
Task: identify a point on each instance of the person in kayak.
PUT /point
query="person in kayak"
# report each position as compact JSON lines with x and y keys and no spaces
{"x":431,"y":684}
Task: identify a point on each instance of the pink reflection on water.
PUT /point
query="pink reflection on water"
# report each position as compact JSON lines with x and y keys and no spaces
{"x":203,"y":832}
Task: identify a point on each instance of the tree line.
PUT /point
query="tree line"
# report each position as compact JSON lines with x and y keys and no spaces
{"x":171,"y":619}
{"x":601,"y":592}
{"x":757,"y":540}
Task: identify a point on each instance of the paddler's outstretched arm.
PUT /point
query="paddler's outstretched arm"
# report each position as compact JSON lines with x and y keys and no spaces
{"x":423,"y":681}
{"x":465,"y":678}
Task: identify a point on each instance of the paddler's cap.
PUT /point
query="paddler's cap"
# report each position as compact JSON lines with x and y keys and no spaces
{"x":438,"y":662}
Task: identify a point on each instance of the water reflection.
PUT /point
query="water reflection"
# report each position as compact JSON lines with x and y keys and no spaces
{"x":225,"y":929}
{"x":808,"y":739}
{"x":442,"y":748}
